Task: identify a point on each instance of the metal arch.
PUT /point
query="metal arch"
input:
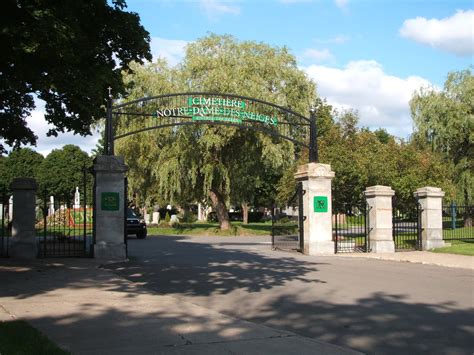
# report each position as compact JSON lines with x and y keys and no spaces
{"x":145,"y":99}
{"x":273,"y":133}
{"x":311,"y":121}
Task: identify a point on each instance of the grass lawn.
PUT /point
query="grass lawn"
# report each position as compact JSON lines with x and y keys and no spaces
{"x":458,"y":247}
{"x":212,"y":229}
{"x":18,"y":338}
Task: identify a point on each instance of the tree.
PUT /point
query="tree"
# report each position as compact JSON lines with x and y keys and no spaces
{"x":199,"y":158}
{"x":444,"y":120}
{"x":23,"y":162}
{"x":361,"y":158}
{"x":62,"y":171}
{"x":67,"y":53}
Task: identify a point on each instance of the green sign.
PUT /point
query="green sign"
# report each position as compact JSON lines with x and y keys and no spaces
{"x":217,"y":109}
{"x":320,"y":203}
{"x":110,"y":201}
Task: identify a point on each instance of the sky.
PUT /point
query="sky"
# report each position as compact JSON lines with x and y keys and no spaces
{"x":365,"y":55}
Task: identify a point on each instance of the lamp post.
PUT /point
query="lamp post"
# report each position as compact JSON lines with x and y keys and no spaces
{"x":313,"y":136}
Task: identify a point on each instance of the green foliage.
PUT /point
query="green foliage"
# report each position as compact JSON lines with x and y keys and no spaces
{"x":167,"y":218}
{"x":23,"y":162}
{"x":444,"y":121}
{"x":18,"y":337}
{"x":67,"y":53}
{"x":186,"y":163}
{"x":62,"y":170}
{"x":360,"y":159}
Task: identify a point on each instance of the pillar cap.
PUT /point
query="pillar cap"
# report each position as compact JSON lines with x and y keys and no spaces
{"x":314,"y":170}
{"x":428,"y":191}
{"x":24,"y":183}
{"x":378,"y":190}
{"x":110,"y":163}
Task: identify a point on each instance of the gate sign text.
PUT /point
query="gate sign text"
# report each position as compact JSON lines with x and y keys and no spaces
{"x":320,"y":203}
{"x":217,"y":109}
{"x":110,"y":201}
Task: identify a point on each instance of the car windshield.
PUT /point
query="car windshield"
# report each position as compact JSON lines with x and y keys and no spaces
{"x":131,"y":214}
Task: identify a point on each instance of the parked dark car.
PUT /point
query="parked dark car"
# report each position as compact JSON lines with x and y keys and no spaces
{"x":136,"y":224}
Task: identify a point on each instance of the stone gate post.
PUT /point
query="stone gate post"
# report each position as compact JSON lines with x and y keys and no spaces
{"x":110,"y":207}
{"x":23,"y":241}
{"x":379,"y":203}
{"x":317,"y":202}
{"x":430,"y":199}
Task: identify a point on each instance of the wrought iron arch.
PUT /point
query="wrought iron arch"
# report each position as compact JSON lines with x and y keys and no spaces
{"x":191,"y":108}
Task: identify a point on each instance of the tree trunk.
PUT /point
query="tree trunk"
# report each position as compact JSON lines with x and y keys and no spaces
{"x":219,"y":206}
{"x":245,"y":212}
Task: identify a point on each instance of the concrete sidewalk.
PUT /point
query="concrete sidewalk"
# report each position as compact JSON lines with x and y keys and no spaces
{"x":420,"y":257}
{"x":88,"y":310}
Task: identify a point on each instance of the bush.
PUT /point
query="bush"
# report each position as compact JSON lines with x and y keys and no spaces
{"x":167,"y":218}
{"x":189,"y":217}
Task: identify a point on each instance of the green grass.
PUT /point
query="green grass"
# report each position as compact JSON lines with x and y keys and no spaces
{"x":18,"y":338}
{"x":458,"y":247}
{"x":212,"y":229}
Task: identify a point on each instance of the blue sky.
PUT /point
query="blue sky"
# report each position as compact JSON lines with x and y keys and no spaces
{"x":363,"y":55}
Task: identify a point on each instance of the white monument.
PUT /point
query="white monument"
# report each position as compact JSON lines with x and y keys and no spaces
{"x":51,"y":206}
{"x":77,"y":198}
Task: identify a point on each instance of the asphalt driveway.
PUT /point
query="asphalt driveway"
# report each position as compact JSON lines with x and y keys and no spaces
{"x":375,"y":306}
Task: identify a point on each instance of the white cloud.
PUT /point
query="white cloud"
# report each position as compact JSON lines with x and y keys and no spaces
{"x":318,"y":55}
{"x":342,"y":4}
{"x":453,"y":34}
{"x":46,"y":144}
{"x":172,"y":50}
{"x":339,"y":39}
{"x":381,"y":99}
{"x":214,"y":8}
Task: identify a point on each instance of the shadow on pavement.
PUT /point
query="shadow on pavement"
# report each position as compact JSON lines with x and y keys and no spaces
{"x":208,"y":273}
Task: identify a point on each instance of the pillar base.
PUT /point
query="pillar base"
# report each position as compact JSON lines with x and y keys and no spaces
{"x":382,"y":246}
{"x":432,"y":244}
{"x":110,"y":251}
{"x":322,"y":247}
{"x":20,"y":249}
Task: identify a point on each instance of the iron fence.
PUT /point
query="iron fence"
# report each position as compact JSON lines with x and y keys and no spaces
{"x":287,"y":230}
{"x":65,"y":224}
{"x":458,"y":222}
{"x":5,"y":223}
{"x":406,"y":225}
{"x":351,"y":228}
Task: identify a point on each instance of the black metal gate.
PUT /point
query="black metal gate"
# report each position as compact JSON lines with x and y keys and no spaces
{"x":65,"y":224}
{"x":351,"y":228}
{"x":5,"y":223}
{"x":287,"y":226}
{"x":406,"y":229}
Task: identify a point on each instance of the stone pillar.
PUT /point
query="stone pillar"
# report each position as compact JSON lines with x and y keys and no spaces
{"x":430,"y":199}
{"x":317,"y":202}
{"x":379,"y":204}
{"x":110,"y":207}
{"x":23,"y":241}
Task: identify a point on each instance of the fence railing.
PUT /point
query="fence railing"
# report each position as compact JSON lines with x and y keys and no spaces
{"x":350,"y":229}
{"x":63,"y":228}
{"x":458,"y":222}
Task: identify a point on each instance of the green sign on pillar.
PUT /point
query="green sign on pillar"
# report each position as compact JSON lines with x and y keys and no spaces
{"x":110,"y":201}
{"x":320,"y":203}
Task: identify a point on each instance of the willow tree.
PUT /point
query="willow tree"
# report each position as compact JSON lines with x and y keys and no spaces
{"x":445,"y":120}
{"x":192,"y":163}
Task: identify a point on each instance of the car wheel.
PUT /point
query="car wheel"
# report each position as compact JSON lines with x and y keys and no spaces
{"x":141,"y":235}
